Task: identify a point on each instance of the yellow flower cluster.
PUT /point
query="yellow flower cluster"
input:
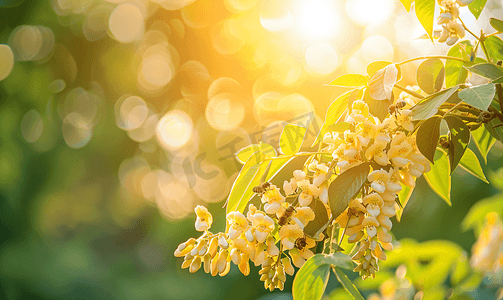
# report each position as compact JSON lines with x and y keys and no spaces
{"x":452,"y":31}
{"x":487,"y":252}
{"x":274,"y":236}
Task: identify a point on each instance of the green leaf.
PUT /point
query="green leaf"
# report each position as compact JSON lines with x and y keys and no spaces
{"x":375,"y":66}
{"x":429,"y":105}
{"x":495,"y":129}
{"x":340,"y":260}
{"x":487,"y":70}
{"x":425,"y":10}
{"x":350,"y":80}
{"x":475,"y":218}
{"x":403,"y":196}
{"x":471,"y":164}
{"x":334,"y":112}
{"x":430,"y":75}
{"x":476,"y":7}
{"x":494,"y":46}
{"x":484,"y":141}
{"x":382,"y":82}
{"x":460,"y":270}
{"x":346,"y":186}
{"x":406,"y":4}
{"x":311,"y":280}
{"x":496,"y":24}
{"x":248,"y":177}
{"x":340,"y":294}
{"x":245,"y":153}
{"x":459,"y":135}
{"x":438,"y":177}
{"x":291,"y":138}
{"x":478,"y":96}
{"x":315,"y":227}
{"x":455,"y":73}
{"x":378,"y":108}
{"x":427,"y":137}
{"x":356,"y":94}
{"x":347,"y":284}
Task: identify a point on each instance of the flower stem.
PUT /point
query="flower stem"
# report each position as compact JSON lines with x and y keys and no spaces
{"x":412,"y":93}
{"x":431,"y":56}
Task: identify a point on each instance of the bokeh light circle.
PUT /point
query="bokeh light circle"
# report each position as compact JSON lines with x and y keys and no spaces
{"x":174,"y":130}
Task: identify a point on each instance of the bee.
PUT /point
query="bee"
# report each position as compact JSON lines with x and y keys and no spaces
{"x":262,"y":188}
{"x":300,"y":243}
{"x":285,"y":218}
{"x":395,"y":108}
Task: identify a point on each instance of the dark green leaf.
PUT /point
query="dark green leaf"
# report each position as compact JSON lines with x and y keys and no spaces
{"x":250,"y":176}
{"x":347,"y":284}
{"x":494,"y":46}
{"x":346,"y":186}
{"x":459,"y":135}
{"x":429,"y":105}
{"x":478,"y":96}
{"x":375,"y":66}
{"x":455,"y":73}
{"x":438,"y":177}
{"x":378,"y":108}
{"x":430,"y":75}
{"x":311,"y":280}
{"x":406,"y":4}
{"x":498,"y":80}
{"x":425,"y":10}
{"x":487,"y":70}
{"x":496,"y":24}
{"x":382,"y":82}
{"x":350,"y":80}
{"x":244,"y":153}
{"x":403,"y":196}
{"x":475,"y":218}
{"x":476,"y":7}
{"x":471,"y":164}
{"x":334,"y":112}
{"x":315,"y":227}
{"x":291,"y":138}
{"x":484,"y":141}
{"x":495,"y":129}
{"x":427,"y":137}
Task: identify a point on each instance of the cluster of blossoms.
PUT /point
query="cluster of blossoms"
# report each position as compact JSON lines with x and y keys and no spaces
{"x":452,"y":31}
{"x":487,"y":252}
{"x":274,"y":235}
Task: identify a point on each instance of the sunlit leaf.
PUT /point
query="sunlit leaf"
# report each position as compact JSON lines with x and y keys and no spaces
{"x":460,"y":271}
{"x":476,"y":216}
{"x":382,"y":82}
{"x":339,"y":260}
{"x":495,"y":128}
{"x":334,"y":112}
{"x":315,"y":227}
{"x":496,"y":24}
{"x":430,"y":75}
{"x":350,"y":80}
{"x":494,"y":46}
{"x":340,"y":294}
{"x":406,"y":4}
{"x":311,"y":280}
{"x":378,"y":108}
{"x":248,"y":177}
{"x":471,"y":164}
{"x":455,"y":73}
{"x":339,"y":127}
{"x":476,"y":7}
{"x":487,"y":70}
{"x":356,"y":94}
{"x":429,"y":105}
{"x":484,"y":141}
{"x":244,"y":153}
{"x":427,"y":137}
{"x":291,"y":138}
{"x":347,"y":284}
{"x":425,"y":10}
{"x":438,"y":177}
{"x":345,"y":186}
{"x":459,"y":135}
{"x":375,"y":66}
{"x":479,"y":96}
{"x":403,"y":196}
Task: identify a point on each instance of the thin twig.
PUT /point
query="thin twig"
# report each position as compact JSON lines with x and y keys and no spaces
{"x":431,"y":56}
{"x":412,"y":93}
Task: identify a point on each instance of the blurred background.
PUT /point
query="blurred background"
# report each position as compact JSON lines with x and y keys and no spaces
{"x":118,"y":117}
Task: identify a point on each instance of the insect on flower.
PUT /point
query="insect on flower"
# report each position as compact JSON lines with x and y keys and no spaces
{"x":395,"y":108}
{"x":285,"y":217}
